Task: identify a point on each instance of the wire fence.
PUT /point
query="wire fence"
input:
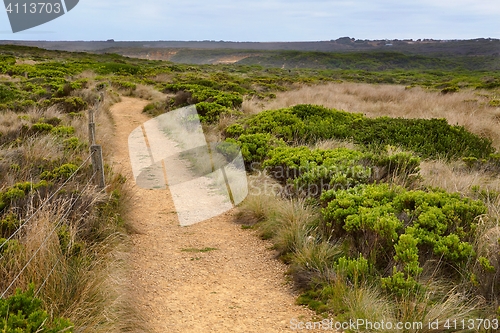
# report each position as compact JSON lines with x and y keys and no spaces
{"x":96,"y":179}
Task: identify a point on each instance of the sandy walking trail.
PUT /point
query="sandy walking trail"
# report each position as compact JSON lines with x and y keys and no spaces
{"x":234,"y":285}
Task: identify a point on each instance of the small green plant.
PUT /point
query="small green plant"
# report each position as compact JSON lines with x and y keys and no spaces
{"x":193,"y":249}
{"x":18,"y":191}
{"x":60,"y":173}
{"x":8,"y":225}
{"x":494,"y":103}
{"x":74,"y":144}
{"x":15,"y":167}
{"x":121,"y":84}
{"x":63,"y":130}
{"x":254,"y":147}
{"x":355,"y":270}
{"x":41,"y":128}
{"x":22,"y":312}
{"x":486,"y":265}
{"x":400,"y":284}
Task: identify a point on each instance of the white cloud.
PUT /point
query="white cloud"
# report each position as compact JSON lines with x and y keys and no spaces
{"x":272,"y":20}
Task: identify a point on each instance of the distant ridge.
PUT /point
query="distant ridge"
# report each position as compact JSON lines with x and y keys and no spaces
{"x":479,"y":46}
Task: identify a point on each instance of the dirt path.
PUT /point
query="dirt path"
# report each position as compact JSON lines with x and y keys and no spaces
{"x":236,"y":285}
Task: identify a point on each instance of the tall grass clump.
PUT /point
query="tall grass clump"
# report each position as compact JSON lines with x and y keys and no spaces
{"x":61,"y":237}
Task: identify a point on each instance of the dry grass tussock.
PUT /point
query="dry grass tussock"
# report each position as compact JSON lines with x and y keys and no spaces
{"x":473,"y":183}
{"x":454,"y":177}
{"x":468,"y":108}
{"x":148,"y":92}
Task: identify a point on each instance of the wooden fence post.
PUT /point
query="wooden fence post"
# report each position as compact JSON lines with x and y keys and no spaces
{"x":91,"y":133}
{"x":98,"y":165}
{"x":96,"y":150}
{"x":91,"y":127}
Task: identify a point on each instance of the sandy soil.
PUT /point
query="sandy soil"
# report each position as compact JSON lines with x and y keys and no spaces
{"x":235,"y":285}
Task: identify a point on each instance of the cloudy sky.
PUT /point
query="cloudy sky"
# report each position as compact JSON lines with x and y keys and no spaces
{"x":268,"y":20}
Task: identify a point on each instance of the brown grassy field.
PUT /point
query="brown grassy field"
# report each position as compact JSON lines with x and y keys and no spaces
{"x":468,"y":108}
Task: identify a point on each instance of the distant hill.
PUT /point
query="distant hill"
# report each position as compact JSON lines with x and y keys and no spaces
{"x":479,"y":46}
{"x":474,"y":54}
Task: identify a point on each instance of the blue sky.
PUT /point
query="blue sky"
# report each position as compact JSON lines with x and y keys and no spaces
{"x":268,"y":20}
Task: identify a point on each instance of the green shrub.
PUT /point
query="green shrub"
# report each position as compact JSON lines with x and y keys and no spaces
{"x":234,"y":130}
{"x":210,"y":111}
{"x":406,"y":251}
{"x":28,"y":103}
{"x":383,"y":222}
{"x":355,"y":270}
{"x":489,"y":164}
{"x":308,"y":124}
{"x":74,"y":104}
{"x":18,"y":191}
{"x":155,"y":109}
{"x":198,"y":93}
{"x":64,"y":90}
{"x":41,"y":128}
{"x":74,"y":144}
{"x":120,"y":84}
{"x":470,"y":162}
{"x":451,"y":89}
{"x":398,"y":164}
{"x":254,"y":147}
{"x":281,"y":123}
{"x":117,"y":68}
{"x":400,"y":285}
{"x":69,"y":104}
{"x":148,"y":107}
{"x":75,"y":114}
{"x":10,"y":247}
{"x":8,"y":94}
{"x":60,"y":173}
{"x":22,"y":312}
{"x":427,"y":137}
{"x":15,"y":167}
{"x":54,"y":121}
{"x":494,"y":103}
{"x":8,"y":225}
{"x":79,"y":84}
{"x":310,"y":172}
{"x":486,"y":264}
{"x":12,"y":194}
{"x":63,"y":130}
